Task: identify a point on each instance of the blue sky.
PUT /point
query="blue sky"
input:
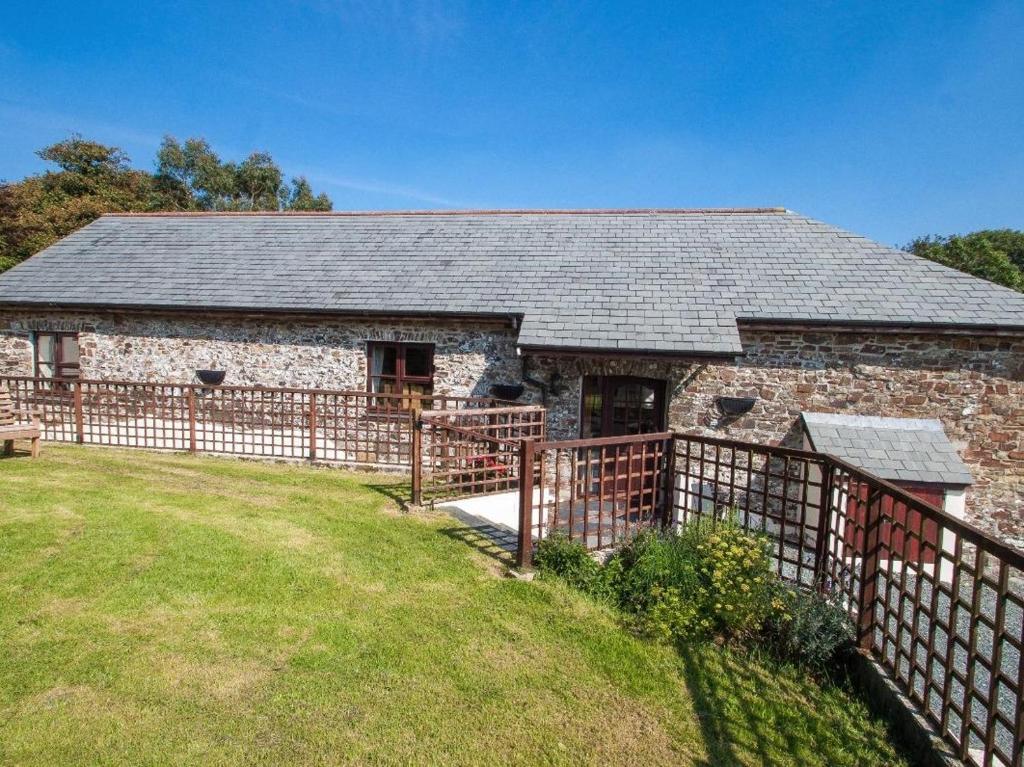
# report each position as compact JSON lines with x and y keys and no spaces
{"x":892,"y":119}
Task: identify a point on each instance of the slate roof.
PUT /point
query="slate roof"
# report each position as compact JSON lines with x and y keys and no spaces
{"x":901,"y":449}
{"x":660,"y":281}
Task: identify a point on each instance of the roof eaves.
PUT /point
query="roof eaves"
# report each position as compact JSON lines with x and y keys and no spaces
{"x":681,"y":355}
{"x":512,"y":318}
{"x":775,"y":323}
{"x":807,"y":432}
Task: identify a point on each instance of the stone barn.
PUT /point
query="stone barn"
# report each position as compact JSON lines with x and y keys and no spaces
{"x":724,"y":322}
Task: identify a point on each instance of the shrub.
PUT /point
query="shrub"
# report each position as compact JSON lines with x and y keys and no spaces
{"x":739,"y":588}
{"x":709,"y":579}
{"x":651,"y":564}
{"x":812,"y":630}
{"x":656,"y":574}
{"x":571,"y":561}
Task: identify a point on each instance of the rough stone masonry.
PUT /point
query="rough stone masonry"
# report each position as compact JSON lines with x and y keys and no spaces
{"x":973,"y":383}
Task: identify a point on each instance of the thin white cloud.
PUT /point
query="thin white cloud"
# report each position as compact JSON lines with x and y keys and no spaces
{"x":15,"y":118}
{"x":347,"y":109}
{"x":322,"y":105}
{"x":53,"y":122}
{"x":375,"y":186}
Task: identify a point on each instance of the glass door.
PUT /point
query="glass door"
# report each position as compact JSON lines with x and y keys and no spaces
{"x":617,"y":476}
{"x":618,"y":405}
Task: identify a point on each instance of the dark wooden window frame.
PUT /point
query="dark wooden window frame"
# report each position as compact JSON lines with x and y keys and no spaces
{"x":60,"y":367}
{"x":400,"y":377}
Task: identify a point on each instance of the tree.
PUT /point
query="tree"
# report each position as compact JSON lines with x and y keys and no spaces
{"x":92,"y":179}
{"x":995,"y":255}
{"x":86,"y":158}
{"x":1010,"y":241}
{"x":301,"y":197}
{"x":194,"y":172}
{"x":207,"y":183}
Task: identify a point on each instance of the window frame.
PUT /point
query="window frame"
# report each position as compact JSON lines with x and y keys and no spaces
{"x":59,"y":365}
{"x":400,"y":377}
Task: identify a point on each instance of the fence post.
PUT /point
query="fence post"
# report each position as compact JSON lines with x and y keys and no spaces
{"x":869,"y":570}
{"x":1018,"y":730}
{"x":524,"y":551}
{"x":79,"y":417}
{"x":417,"y":460}
{"x":191,"y":399}
{"x":668,"y":500}
{"x":312,"y":426}
{"x":824,"y":524}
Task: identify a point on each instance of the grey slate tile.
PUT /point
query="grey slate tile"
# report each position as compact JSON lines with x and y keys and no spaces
{"x":674,"y":281}
{"x":901,"y":449}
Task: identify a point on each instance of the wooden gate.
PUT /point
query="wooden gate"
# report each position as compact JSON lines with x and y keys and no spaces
{"x":597,"y":491}
{"x":459,"y":454}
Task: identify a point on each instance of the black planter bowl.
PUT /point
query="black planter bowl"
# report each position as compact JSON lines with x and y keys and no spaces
{"x":211,"y":377}
{"x":507,"y":391}
{"x":735,"y":405}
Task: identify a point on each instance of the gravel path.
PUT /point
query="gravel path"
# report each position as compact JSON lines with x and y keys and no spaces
{"x":953,"y":636}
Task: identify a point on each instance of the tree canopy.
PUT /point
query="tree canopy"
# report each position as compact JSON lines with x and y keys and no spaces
{"x":204,"y":182}
{"x":91,"y":179}
{"x":996,"y":255}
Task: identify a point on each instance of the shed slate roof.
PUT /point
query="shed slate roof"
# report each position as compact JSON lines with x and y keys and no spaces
{"x":901,"y":449}
{"x":661,"y":281}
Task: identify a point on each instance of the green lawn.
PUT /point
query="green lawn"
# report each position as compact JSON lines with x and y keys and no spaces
{"x":161,"y":609}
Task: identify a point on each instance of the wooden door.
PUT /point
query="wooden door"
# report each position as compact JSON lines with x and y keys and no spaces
{"x":615,"y":406}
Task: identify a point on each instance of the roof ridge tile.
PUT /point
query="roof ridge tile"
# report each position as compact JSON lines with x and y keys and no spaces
{"x":447,"y":212}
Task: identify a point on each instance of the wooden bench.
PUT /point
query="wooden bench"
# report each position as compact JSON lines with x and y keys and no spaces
{"x":11,"y":428}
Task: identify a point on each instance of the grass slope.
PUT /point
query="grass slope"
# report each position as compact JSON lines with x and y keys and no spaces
{"x":171,"y":609}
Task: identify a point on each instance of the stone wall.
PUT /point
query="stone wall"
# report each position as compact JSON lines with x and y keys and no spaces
{"x":974,"y":385}
{"x":316,"y":353}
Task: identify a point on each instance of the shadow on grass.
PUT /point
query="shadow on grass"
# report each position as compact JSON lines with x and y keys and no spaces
{"x":16,"y":452}
{"x":719,"y":693}
{"x":761,"y":709}
{"x":400,"y":493}
{"x":495,"y":541}
{"x":490,"y":540}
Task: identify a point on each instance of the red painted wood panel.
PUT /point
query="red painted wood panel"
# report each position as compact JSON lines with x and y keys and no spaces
{"x":903,"y":530}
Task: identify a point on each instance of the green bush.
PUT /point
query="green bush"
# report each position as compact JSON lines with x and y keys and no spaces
{"x":739,"y":588}
{"x":652,"y":564}
{"x":709,"y":579}
{"x":656,"y":574}
{"x":570,"y":561}
{"x":811,"y":630}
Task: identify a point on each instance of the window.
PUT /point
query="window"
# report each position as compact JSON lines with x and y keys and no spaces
{"x":405,"y":369}
{"x":57,"y":355}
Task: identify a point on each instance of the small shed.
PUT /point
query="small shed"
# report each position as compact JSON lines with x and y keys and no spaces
{"x":913,"y":453}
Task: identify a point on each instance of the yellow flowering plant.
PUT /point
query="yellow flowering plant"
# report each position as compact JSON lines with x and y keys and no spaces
{"x":711,"y":579}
